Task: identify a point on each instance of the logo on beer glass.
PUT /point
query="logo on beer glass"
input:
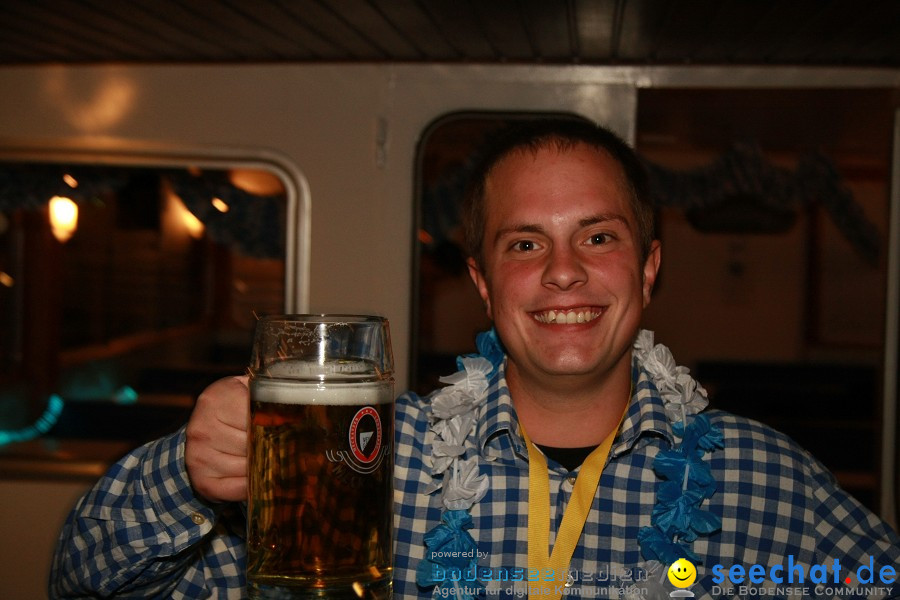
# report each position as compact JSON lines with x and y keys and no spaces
{"x":365,"y":426}
{"x":367,"y":448}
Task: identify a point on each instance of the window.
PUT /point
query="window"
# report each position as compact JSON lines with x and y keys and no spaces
{"x":150,"y":295}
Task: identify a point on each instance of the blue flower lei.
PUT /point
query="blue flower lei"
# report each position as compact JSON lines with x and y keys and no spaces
{"x":677,"y":519}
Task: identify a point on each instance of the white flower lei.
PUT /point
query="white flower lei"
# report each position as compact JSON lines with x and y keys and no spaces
{"x":453,"y":419}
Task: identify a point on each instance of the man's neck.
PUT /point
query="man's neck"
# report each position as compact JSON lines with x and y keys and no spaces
{"x":565,"y":413}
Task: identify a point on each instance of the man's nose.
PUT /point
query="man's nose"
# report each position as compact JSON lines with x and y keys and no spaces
{"x":563,"y":269}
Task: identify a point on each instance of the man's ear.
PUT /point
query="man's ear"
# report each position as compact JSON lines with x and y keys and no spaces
{"x":651,"y":269}
{"x":480,"y":281}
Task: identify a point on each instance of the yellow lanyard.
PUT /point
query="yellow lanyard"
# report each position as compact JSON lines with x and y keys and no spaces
{"x":554,"y":568}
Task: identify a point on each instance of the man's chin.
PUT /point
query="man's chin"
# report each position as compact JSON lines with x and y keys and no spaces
{"x":570,"y":366}
{"x":565,"y":363}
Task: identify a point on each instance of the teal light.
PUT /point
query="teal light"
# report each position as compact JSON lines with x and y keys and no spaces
{"x":125,"y":395}
{"x":40,"y":427}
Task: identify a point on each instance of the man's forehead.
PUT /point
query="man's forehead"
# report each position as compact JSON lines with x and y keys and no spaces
{"x":524,"y":158}
{"x":501,"y":182}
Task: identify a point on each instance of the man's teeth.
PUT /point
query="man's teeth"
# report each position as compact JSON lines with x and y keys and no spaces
{"x":565,"y":317}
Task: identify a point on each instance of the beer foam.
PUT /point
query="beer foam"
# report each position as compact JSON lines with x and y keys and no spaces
{"x":286,"y":391}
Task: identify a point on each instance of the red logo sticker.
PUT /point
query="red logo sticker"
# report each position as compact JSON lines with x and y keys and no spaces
{"x":365,"y":435}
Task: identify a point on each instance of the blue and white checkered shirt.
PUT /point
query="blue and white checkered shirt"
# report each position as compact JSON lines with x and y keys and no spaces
{"x":142,"y":533}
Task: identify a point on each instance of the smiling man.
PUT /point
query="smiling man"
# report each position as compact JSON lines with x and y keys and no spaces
{"x":564,"y":277}
{"x":571,"y":456}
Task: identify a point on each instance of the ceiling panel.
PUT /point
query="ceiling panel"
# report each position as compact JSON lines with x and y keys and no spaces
{"x":641,"y":24}
{"x":417,"y":26}
{"x":461,"y":27}
{"x":369,"y":23}
{"x":548,"y":28}
{"x":721,"y":30}
{"x":144,"y":20}
{"x":295,"y":37}
{"x":600,"y":32}
{"x":333,"y":27}
{"x":504,"y":25}
{"x":595,"y":25}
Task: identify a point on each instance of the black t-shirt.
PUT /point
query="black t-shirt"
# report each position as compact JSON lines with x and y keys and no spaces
{"x":570,"y":458}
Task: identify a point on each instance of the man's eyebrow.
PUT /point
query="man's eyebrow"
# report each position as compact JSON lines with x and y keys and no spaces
{"x":604,"y":218}
{"x":523,"y":228}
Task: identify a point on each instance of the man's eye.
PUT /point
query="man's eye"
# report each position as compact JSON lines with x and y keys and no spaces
{"x":599,"y":238}
{"x":524,"y":246}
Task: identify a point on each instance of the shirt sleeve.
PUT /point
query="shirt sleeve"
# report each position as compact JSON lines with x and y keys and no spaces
{"x":868,"y":549}
{"x":141,"y":532}
{"x":781,"y":506}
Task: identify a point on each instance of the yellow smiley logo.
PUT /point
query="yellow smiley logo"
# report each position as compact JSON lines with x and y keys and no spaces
{"x":682,"y":573}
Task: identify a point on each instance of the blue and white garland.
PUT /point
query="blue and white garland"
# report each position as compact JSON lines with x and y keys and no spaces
{"x":677,"y":518}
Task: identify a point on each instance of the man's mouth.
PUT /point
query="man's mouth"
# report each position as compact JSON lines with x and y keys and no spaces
{"x":568,"y":316}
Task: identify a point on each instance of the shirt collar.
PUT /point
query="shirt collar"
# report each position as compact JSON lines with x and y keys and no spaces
{"x":646,"y":414}
{"x":498,"y":414}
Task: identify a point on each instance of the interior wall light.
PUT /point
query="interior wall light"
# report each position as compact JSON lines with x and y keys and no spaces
{"x":63,"y":217}
{"x":220,"y":205}
{"x":192,"y":224}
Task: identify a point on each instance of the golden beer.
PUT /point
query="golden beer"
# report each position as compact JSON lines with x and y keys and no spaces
{"x":320,"y":488}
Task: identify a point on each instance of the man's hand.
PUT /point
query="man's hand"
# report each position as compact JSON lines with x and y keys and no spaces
{"x":216,"y":449}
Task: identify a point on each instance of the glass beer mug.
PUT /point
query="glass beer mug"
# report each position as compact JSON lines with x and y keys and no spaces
{"x":319,"y":512}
